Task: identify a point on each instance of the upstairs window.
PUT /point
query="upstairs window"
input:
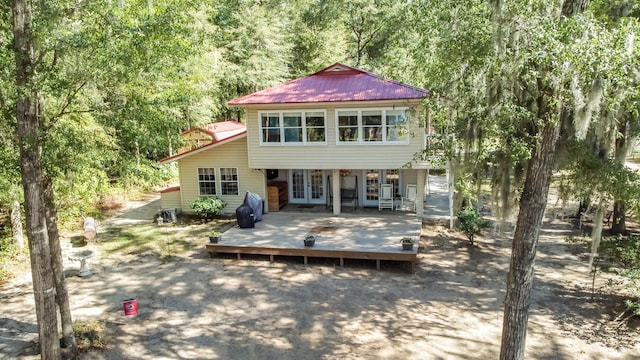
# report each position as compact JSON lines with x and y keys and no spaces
{"x":293,"y":127}
{"x":270,"y":124}
{"x":372,"y":126}
{"x":315,"y":126}
{"x":396,"y":123}
{"x":348,"y":126}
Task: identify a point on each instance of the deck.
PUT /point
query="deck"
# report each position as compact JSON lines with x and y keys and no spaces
{"x":370,"y":236}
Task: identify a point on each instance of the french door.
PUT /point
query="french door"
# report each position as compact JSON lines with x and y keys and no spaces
{"x":307,"y":187}
{"x":371,"y":187}
{"x":373,"y":178}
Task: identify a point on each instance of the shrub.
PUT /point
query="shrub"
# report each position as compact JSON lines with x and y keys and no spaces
{"x":208,"y":206}
{"x":622,"y":256}
{"x":622,"y":251}
{"x":471,"y":222}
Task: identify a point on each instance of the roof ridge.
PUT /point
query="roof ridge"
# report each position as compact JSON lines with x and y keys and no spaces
{"x":369,"y":73}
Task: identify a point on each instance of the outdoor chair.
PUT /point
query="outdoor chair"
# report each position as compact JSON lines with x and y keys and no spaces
{"x":385,"y":197}
{"x":409,"y":198}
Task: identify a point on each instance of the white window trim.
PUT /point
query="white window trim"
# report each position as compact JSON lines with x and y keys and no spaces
{"x":360,"y":140}
{"x":218,"y":180}
{"x":237,"y":181}
{"x":304,"y":141}
{"x":215,"y":180}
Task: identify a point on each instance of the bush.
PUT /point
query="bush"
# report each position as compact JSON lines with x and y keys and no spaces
{"x":208,"y":206}
{"x":622,"y":251}
{"x":471,"y":222}
{"x":622,"y":256}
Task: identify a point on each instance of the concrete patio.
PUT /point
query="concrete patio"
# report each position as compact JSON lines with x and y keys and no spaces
{"x":348,"y":236}
{"x":362,"y":233}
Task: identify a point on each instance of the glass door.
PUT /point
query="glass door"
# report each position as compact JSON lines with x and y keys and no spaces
{"x":371,"y":187}
{"x":316,"y":186}
{"x":373,"y":179}
{"x":307,"y":187}
{"x":298,"y":186}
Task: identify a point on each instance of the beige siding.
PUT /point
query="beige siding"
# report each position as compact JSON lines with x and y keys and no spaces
{"x":230,"y":155}
{"x":409,"y":177}
{"x":331,"y":155}
{"x":169,"y":200}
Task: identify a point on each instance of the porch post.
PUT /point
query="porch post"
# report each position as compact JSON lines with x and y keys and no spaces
{"x":421,"y":183}
{"x":335,"y":189}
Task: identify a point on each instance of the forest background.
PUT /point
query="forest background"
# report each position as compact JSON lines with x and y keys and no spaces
{"x":119,"y":80}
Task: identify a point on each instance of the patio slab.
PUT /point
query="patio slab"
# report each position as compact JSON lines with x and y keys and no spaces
{"x":347,"y":236}
{"x":374,"y":233}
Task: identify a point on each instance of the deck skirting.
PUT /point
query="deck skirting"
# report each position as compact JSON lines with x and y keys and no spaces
{"x":305,"y":253}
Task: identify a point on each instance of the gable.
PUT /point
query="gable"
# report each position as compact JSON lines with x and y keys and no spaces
{"x":208,"y":136}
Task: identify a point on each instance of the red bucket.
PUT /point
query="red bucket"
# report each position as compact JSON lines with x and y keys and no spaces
{"x":130,"y":307}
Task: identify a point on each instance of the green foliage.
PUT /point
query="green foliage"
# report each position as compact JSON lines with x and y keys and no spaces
{"x":471,"y":222}
{"x":465,"y":187}
{"x":622,"y":256}
{"x":406,"y":240}
{"x":12,"y":259}
{"x":591,"y":175}
{"x":146,"y":175}
{"x":622,"y":251}
{"x":208,"y":206}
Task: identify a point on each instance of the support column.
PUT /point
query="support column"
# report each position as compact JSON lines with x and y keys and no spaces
{"x":428,"y":185}
{"x":420,"y":185}
{"x":265,"y":191}
{"x":450,"y":187}
{"x":335,"y":188}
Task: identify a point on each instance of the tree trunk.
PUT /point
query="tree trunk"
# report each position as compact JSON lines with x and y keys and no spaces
{"x":62,"y":295}
{"x":532,"y":206}
{"x":572,"y":7}
{"x":620,"y":155}
{"x":584,"y":205}
{"x":619,"y":218}
{"x":16,"y":221}
{"x":137,"y":153}
{"x":29,"y":110}
{"x":596,"y":233}
{"x":525,"y":241}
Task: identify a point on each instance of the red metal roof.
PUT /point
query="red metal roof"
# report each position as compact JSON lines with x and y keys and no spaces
{"x":170,"y":189}
{"x":337,"y":82}
{"x":222,"y":130}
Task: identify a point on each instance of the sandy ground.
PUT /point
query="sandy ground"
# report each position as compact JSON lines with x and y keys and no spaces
{"x":196,"y":307}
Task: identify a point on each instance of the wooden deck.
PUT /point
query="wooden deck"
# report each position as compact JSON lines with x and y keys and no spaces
{"x":348,"y":236}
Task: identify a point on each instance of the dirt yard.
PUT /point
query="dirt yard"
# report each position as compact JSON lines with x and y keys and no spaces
{"x":195,"y":307}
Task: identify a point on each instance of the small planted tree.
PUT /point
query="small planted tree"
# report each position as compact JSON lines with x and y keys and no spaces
{"x":471,"y":222}
{"x":208,"y":206}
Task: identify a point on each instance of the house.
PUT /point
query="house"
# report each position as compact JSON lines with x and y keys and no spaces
{"x":331,"y":138}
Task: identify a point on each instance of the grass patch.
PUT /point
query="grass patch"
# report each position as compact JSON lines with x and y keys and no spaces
{"x":141,"y":239}
{"x":91,"y":335}
{"x":13,"y":261}
{"x":167,"y":242}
